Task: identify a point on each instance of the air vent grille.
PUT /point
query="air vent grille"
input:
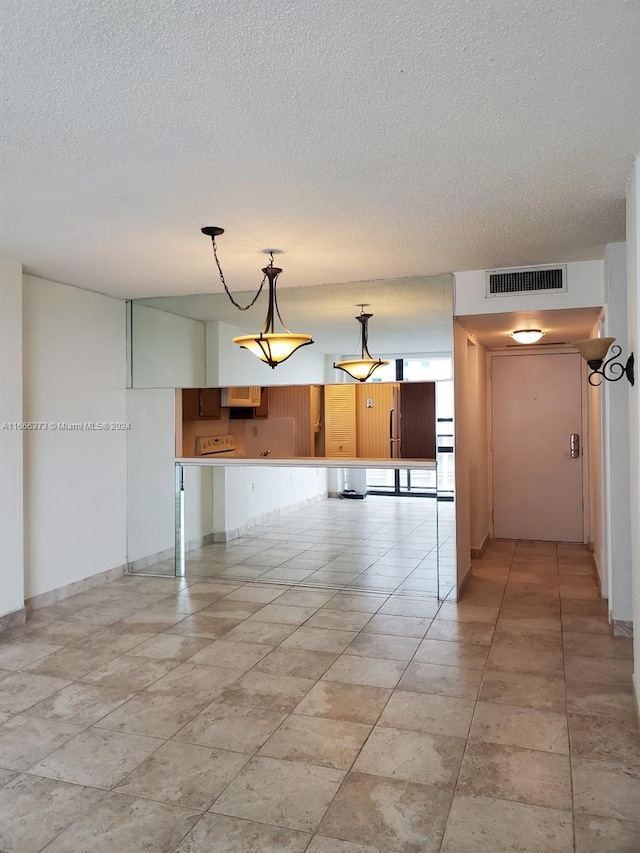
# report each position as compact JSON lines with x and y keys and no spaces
{"x":531,"y":280}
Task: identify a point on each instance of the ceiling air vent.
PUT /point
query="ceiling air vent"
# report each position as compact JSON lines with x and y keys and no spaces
{"x":526,"y":280}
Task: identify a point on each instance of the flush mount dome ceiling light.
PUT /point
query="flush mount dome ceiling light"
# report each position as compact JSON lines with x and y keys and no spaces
{"x":361,"y":368}
{"x":527,"y":336}
{"x":271,"y":346}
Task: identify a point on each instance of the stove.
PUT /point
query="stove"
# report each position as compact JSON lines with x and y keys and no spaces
{"x":216,"y":445}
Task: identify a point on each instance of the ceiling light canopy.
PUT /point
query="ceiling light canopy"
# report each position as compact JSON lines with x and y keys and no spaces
{"x":361,"y":368}
{"x":527,"y":336}
{"x":269,"y":345}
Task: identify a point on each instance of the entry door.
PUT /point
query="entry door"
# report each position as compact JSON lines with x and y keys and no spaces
{"x":537,"y":485}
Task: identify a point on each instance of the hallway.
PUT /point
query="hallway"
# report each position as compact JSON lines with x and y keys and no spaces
{"x":204,"y":715}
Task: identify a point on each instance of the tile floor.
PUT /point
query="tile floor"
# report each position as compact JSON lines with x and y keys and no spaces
{"x":381,"y":544}
{"x":210,"y":716}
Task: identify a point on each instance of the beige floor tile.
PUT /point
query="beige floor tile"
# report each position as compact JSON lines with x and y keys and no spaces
{"x":298,"y":662}
{"x":224,"y":834}
{"x":351,"y":702}
{"x":265,"y":633}
{"x":229,"y":655}
{"x":315,"y":740}
{"x":393,"y":815}
{"x":184,"y":774}
{"x":64,"y":631}
{"x":339,"y":620}
{"x":402,"y":605}
{"x":17,"y":654}
{"x":170,"y":647}
{"x":601,"y":700}
{"x":306,"y":597}
{"x":411,"y":756}
{"x":71,"y":663}
{"x":235,"y":727}
{"x":586,"y":624}
{"x":383,"y":646}
{"x":35,"y":810}
{"x":592,"y":645}
{"x":319,"y":639}
{"x":606,"y":835}
{"x":599,"y":670}
{"x":130,"y":673}
{"x":322,"y":844}
{"x":528,"y":728}
{"x":512,"y":827}
{"x":529,"y":619}
{"x":7,"y":776}
{"x":127,"y":825}
{"x":464,"y":655}
{"x":26,"y":740}
{"x":224,"y":608}
{"x":282,"y":793}
{"x":604,"y":738}
{"x":263,"y":690}
{"x":399,"y":626}
{"x":464,"y":611}
{"x":283,"y":615}
{"x":374,"y":672}
{"x":158,"y":715}
{"x":526,"y":654}
{"x":259,"y":595}
{"x":442,"y":680}
{"x":421,"y":712}
{"x":474,"y":633}
{"x":21,"y":690}
{"x":208,"y":626}
{"x":511,"y":773}
{"x":575,"y":607}
{"x":97,"y":758}
{"x":606,"y":788}
{"x":83,"y":704}
{"x":526,"y":689}
{"x":358,"y":602}
{"x":200,"y":683}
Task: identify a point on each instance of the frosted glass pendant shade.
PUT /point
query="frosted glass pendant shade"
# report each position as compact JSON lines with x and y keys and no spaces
{"x":271,"y":347}
{"x":527,"y":336}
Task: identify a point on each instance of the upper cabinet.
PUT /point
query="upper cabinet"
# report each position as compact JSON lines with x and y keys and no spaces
{"x":201,"y":403}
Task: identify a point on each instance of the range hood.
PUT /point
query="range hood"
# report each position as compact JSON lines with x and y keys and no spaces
{"x":247,"y":396}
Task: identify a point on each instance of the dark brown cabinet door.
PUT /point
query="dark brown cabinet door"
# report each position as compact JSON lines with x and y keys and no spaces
{"x":418,"y":420}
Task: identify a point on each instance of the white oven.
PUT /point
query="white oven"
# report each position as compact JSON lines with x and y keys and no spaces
{"x":216,"y":445}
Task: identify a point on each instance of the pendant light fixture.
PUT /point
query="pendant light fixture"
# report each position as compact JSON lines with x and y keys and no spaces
{"x":271,"y":346}
{"x":361,"y":368}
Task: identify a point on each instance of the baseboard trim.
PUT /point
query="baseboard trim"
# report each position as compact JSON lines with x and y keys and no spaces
{"x":220,"y":536}
{"x":622,"y":628}
{"x":464,"y":582}
{"x":478,"y":553}
{"x":62,"y":592}
{"x":10,"y":620}
{"x":168,"y":554}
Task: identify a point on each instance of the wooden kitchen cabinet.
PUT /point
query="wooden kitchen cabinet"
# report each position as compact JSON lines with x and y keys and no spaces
{"x":201,"y":404}
{"x":340,"y":420}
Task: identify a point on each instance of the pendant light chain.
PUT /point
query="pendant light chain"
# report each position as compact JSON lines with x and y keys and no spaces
{"x":224,"y":283}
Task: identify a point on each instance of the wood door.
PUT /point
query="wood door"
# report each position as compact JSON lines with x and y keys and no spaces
{"x":374,"y":403}
{"x":537,"y":486}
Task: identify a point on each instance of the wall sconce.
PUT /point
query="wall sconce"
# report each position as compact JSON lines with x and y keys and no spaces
{"x":593,"y":350}
{"x":271,"y":346}
{"x":527,"y":336}
{"x":361,"y":368}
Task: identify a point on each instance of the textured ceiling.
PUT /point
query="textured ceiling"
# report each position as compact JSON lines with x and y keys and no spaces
{"x":365,"y":138}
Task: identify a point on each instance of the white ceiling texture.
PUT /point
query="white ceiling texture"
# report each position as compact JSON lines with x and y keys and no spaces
{"x":366,"y":139}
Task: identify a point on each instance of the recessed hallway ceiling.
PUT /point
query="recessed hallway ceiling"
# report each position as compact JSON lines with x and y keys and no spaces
{"x":365,"y":140}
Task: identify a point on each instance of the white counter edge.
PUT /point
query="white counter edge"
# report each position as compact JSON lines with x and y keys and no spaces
{"x":307,"y":462}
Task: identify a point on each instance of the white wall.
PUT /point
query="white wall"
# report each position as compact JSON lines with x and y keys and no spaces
{"x":633,"y":309}
{"x":168,"y":351}
{"x":462,"y":443}
{"x":615,"y":429}
{"x":74,"y":481}
{"x":11,"y":440}
{"x":229,"y":364}
{"x":585,"y":288}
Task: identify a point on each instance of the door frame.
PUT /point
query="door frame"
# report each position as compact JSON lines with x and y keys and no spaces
{"x":547,"y":350}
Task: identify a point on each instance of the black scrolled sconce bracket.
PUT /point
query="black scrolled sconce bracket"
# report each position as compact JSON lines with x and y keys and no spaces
{"x":612,"y":370}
